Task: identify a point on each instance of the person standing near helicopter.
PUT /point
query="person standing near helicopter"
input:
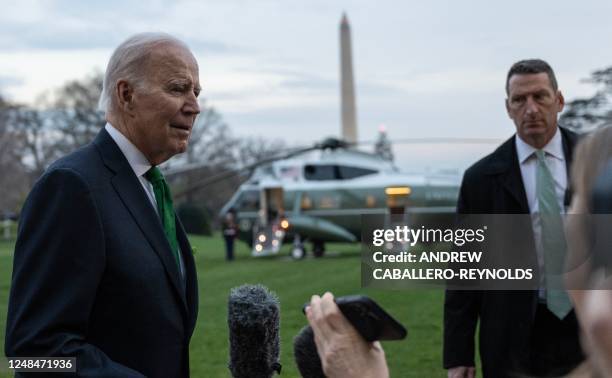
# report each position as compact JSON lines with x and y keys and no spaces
{"x":229,"y":228}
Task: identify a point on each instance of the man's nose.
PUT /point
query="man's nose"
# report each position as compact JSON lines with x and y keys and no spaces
{"x":191,"y":106}
{"x":531,"y":107}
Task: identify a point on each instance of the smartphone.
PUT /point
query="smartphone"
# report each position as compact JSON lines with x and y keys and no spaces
{"x":369,"y":319}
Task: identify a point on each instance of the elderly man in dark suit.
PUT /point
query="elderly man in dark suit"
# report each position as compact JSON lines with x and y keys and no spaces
{"x":103,"y":270}
{"x":529,"y":331}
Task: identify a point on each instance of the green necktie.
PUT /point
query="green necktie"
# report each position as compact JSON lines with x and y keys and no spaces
{"x":164,"y":207}
{"x":553,"y":240}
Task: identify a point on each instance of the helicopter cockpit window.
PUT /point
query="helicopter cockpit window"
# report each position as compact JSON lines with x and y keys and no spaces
{"x":321,"y":172}
{"x":347,"y":172}
{"x":248,"y":201}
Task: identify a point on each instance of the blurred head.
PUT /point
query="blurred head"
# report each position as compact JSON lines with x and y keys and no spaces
{"x":589,"y":247}
{"x":591,"y":156}
{"x":150,"y":94}
{"x":587,"y":235}
{"x":533,"y":101}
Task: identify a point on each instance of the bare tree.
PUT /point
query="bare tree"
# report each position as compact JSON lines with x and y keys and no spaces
{"x":587,"y":114}
{"x":61,"y":121}
{"x":13,"y":174}
{"x":214,"y":150}
{"x":211,"y":150}
{"x":38,"y":140}
{"x":211,"y":141}
{"x":68,"y":118}
{"x":254,"y":149}
{"x":75,"y":112}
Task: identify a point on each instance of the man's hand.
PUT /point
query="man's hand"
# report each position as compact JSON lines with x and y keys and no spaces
{"x":343,"y":352}
{"x":462,"y":372}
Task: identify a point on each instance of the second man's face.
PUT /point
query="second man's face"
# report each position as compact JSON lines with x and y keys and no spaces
{"x":533,"y":105}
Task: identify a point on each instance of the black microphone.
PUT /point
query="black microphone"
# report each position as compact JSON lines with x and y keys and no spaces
{"x":306,"y":355}
{"x":253,"y":316}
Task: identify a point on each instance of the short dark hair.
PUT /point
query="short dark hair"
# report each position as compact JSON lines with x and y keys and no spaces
{"x":531,"y":66}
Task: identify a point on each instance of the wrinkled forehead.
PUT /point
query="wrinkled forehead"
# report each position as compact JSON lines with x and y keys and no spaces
{"x":171,"y":59}
{"x":527,"y":83}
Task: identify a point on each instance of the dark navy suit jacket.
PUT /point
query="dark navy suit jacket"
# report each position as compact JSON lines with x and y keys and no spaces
{"x":94,"y":276}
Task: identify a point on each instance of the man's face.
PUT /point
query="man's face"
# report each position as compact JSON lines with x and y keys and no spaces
{"x":533,"y":105}
{"x":165,"y":108}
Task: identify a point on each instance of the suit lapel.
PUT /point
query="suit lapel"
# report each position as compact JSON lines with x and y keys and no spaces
{"x":569,"y":140}
{"x":512,"y":181}
{"x":506,"y":168}
{"x":191,"y":285}
{"x":134,"y":198}
{"x":509,"y":170}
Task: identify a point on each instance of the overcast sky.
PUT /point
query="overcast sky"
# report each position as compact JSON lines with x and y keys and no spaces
{"x":271,"y":67}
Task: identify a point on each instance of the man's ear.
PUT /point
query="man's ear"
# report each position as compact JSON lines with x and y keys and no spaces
{"x":125,"y":95}
{"x":507,"y":102}
{"x":561,"y":101}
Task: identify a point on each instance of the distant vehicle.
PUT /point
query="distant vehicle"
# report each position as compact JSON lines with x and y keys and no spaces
{"x":319,"y":196}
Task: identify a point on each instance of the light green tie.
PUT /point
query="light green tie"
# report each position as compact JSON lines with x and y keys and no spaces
{"x":553,"y":240}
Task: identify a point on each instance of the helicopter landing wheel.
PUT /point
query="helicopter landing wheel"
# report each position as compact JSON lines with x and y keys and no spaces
{"x":298,"y":250}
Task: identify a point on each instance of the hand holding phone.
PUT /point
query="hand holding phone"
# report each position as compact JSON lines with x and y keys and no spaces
{"x":369,"y":319}
{"x":346,"y":347}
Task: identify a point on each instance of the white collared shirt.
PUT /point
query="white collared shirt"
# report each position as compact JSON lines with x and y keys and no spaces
{"x":528,"y":161}
{"x":555,"y":160}
{"x":140,"y":165}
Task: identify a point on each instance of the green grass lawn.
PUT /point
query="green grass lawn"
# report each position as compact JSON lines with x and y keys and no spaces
{"x":6,"y":266}
{"x":294,"y":282}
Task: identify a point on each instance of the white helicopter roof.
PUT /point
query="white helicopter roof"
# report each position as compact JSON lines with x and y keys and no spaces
{"x":291,"y":169}
{"x":352,"y":157}
{"x":375,"y":170}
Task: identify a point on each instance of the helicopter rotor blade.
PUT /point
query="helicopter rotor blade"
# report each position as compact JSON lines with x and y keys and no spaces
{"x":436,"y":140}
{"x":237,"y":171}
{"x":329,"y":143}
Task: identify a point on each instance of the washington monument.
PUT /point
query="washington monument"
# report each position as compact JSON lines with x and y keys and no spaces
{"x":347,"y":86}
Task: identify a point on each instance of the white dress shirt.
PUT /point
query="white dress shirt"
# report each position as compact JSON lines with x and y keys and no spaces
{"x":140,"y":165}
{"x":555,"y":160}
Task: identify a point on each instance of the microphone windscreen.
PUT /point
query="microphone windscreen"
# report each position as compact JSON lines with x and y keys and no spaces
{"x":253,"y":317}
{"x":306,"y":355}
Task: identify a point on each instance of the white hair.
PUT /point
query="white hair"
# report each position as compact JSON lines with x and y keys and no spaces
{"x":127,"y":63}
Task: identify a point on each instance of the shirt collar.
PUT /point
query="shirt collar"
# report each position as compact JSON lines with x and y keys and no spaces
{"x":139,"y":163}
{"x":553,"y":148}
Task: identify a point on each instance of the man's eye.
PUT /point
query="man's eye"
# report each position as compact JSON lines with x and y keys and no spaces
{"x":518,"y":100}
{"x":177,"y":88}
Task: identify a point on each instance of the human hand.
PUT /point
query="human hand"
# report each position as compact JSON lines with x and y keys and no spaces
{"x":462,"y":372}
{"x":342,"y":350}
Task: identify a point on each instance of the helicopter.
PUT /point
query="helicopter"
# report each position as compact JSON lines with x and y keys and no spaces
{"x":318,"y":195}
